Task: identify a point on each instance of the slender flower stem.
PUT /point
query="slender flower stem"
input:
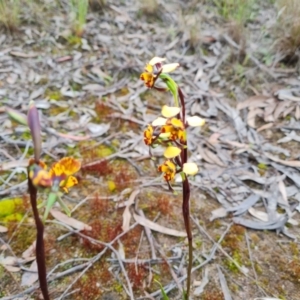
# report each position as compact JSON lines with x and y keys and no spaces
{"x":186,"y":202}
{"x":181,"y":97}
{"x":40,"y":249}
{"x":187,"y":223}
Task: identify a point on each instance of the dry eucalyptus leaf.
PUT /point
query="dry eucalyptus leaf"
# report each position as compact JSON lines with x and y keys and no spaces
{"x":253,"y":102}
{"x":30,"y":277}
{"x":265,"y":126}
{"x":220,"y":212}
{"x":251,"y":116}
{"x":156,"y":227}
{"x":12,"y":268}
{"x":30,"y":251}
{"x":69,"y":221}
{"x":290,"y":163}
{"x":23,"y":54}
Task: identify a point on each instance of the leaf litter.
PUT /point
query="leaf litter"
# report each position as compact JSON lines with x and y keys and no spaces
{"x":247,"y":152}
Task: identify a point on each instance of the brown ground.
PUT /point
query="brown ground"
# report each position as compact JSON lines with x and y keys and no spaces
{"x":232,"y":74}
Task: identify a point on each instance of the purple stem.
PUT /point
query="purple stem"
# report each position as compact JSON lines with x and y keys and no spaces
{"x":186,"y":202}
{"x":40,"y":249}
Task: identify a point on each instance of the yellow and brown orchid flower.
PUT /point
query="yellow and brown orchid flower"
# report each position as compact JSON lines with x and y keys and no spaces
{"x":154,"y":68}
{"x":61,"y":172}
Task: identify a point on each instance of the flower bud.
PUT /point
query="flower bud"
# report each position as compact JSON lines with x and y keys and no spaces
{"x":35,"y":129}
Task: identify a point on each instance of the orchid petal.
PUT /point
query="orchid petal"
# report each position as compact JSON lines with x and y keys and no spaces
{"x":159,"y":121}
{"x":190,"y":168}
{"x":148,"y":78}
{"x":168,"y":68}
{"x":170,"y":111}
{"x":165,"y":135}
{"x":155,"y":60}
{"x":172,"y":152}
{"x":195,"y":121}
{"x":177,"y":123}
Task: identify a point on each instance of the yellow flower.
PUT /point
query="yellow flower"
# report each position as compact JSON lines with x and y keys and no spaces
{"x":148,"y":78}
{"x":176,"y":130}
{"x":148,"y":135}
{"x":169,"y":170}
{"x":39,"y":175}
{"x":154,"y":68}
{"x":61,"y":172}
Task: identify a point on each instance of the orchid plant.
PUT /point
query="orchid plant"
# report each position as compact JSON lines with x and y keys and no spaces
{"x":58,"y":179}
{"x":170,"y":131}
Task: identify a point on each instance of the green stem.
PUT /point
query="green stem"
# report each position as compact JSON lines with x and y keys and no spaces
{"x":171,"y":84}
{"x":40,"y":249}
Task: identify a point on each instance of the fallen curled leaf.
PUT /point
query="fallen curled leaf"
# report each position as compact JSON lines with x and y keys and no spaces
{"x":251,"y":116}
{"x":260,"y":215}
{"x":290,"y":163}
{"x":265,"y":126}
{"x":254,"y":102}
{"x":30,"y":251}
{"x":69,"y":221}
{"x":31,"y":276}
{"x":213,"y":139}
{"x":23,"y":54}
{"x":220,"y":212}
{"x":9,"y":263}
{"x":156,"y":227}
{"x":12,"y":269}
{"x":8,"y":260}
